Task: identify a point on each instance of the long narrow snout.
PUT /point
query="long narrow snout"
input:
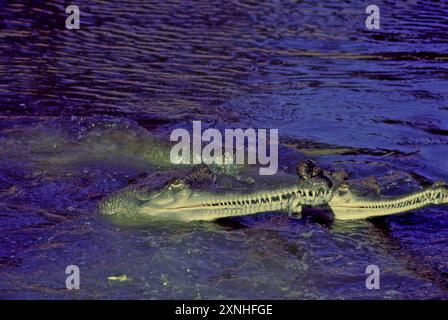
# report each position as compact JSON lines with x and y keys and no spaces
{"x":177,"y":201}
{"x":348,"y":206}
{"x":201,"y":205}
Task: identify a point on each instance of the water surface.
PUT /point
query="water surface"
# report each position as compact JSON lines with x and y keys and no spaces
{"x":84,"y":111}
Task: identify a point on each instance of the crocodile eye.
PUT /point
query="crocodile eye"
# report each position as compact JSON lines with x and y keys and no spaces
{"x":343,"y":187}
{"x":177,"y":183}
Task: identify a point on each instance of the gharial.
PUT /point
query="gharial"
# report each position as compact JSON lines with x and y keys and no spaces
{"x":186,"y":196}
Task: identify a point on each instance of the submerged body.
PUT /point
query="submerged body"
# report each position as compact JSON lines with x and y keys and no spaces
{"x":181,"y":196}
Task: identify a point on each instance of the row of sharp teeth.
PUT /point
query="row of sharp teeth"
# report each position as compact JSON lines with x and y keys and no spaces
{"x":409,"y":201}
{"x":262,"y":199}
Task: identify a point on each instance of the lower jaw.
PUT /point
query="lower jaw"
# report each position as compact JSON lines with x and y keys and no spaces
{"x":207,"y":214}
{"x":351,"y":213}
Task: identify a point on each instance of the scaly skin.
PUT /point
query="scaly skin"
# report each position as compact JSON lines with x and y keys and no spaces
{"x":177,"y":198}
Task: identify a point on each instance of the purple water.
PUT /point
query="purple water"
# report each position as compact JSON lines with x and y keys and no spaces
{"x":81,"y":111}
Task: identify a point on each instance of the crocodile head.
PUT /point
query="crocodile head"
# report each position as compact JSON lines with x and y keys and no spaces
{"x":348,"y":203}
{"x":180,"y":198}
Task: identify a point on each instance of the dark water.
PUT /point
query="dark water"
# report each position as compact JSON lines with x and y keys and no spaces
{"x":83,"y":111}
